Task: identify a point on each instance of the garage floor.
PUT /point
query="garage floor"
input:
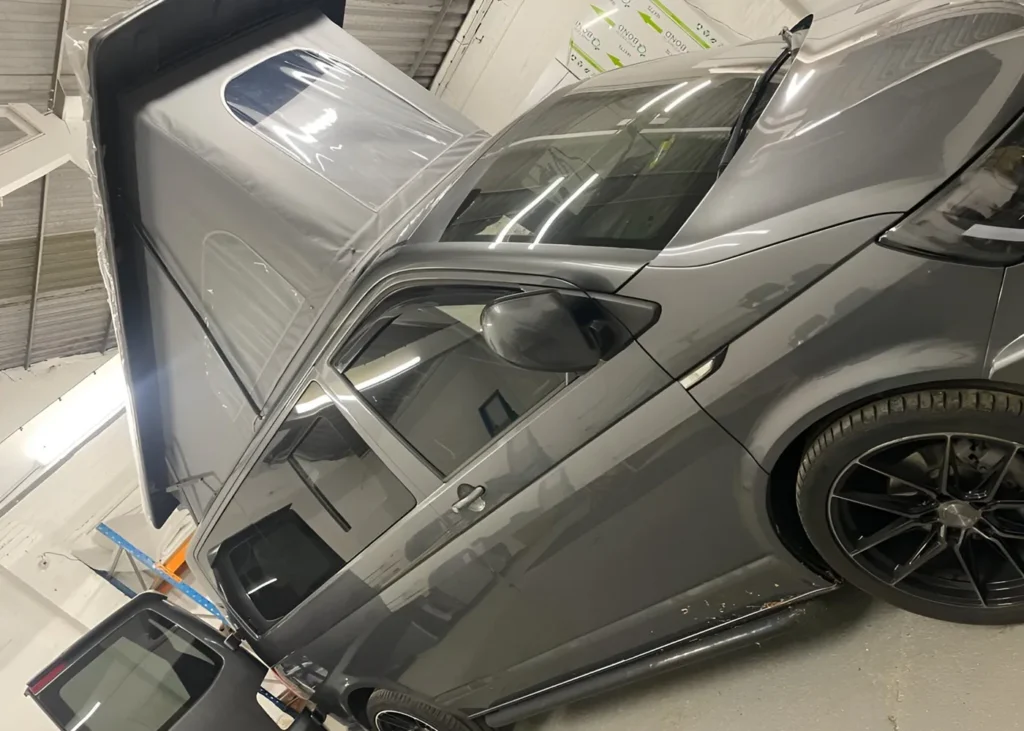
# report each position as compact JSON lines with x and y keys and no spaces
{"x":857,"y":666}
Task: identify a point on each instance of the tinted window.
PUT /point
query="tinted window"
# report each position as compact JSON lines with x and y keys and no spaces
{"x":607,"y":167}
{"x":141,"y":677}
{"x":316,"y":499}
{"x":337,"y":122}
{"x":430,"y":374}
{"x":366,"y":495}
{"x":278,"y":562}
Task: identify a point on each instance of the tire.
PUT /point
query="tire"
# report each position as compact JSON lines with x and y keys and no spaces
{"x":385,"y":704}
{"x":839,"y":456}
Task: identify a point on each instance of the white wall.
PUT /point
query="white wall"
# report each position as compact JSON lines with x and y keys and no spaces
{"x":515,"y":42}
{"x":24,"y":393}
{"x":47,"y":597}
{"x":518,"y":41}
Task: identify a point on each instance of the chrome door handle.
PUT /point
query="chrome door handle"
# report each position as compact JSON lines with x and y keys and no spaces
{"x":468,"y":499}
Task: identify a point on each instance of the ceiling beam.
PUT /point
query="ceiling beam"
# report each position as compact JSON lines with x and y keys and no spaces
{"x":34,"y":302}
{"x":56,"y":96}
{"x":434,"y":30}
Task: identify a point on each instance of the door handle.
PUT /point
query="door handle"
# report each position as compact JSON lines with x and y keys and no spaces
{"x":468,"y":495}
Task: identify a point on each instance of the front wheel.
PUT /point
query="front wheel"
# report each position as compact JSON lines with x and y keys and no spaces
{"x":918,"y":499}
{"x":391,"y":711}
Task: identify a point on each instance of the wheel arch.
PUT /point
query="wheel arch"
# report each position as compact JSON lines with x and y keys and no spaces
{"x":791,"y":444}
{"x":356,"y":702}
{"x":350,"y":695}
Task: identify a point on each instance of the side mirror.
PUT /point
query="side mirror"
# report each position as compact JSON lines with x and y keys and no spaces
{"x":543,"y":331}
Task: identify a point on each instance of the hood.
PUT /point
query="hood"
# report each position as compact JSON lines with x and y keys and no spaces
{"x":253,"y":158}
{"x":883,"y":103}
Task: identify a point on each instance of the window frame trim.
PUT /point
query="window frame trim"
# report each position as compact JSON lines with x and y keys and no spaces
{"x":360,"y":339}
{"x":321,"y":371}
{"x":219,"y":508}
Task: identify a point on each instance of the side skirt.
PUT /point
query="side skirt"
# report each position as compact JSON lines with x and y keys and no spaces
{"x":713,"y":642}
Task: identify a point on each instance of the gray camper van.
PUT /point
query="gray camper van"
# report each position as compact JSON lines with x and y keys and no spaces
{"x":474,"y":427}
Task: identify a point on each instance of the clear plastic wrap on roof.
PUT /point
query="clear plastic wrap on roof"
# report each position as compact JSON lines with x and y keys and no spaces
{"x":245,"y":182}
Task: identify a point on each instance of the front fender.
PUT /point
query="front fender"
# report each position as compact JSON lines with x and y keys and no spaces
{"x":882,"y":321}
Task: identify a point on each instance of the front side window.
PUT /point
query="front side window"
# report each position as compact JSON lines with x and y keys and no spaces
{"x":430,"y":374}
{"x":318,"y":497}
{"x":143,"y":676}
{"x":338,"y":122}
{"x":608,"y":167}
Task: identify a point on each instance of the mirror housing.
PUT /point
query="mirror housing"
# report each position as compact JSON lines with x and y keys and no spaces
{"x":544,"y":331}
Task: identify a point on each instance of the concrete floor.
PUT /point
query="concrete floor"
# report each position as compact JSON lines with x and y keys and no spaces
{"x":858,"y":665}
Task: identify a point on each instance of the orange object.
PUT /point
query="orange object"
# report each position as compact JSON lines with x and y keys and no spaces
{"x":175,"y":565}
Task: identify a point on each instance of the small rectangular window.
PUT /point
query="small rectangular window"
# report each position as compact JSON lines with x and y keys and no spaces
{"x":278,"y":562}
{"x":430,"y":374}
{"x":318,"y":497}
{"x":143,"y":676}
{"x":337,"y":122}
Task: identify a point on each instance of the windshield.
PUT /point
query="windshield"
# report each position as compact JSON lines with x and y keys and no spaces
{"x":622,"y":167}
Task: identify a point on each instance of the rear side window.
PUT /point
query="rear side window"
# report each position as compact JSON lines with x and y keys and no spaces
{"x":337,"y":122}
{"x":318,"y":497}
{"x":142,"y":677}
{"x":608,"y":167}
{"x":278,"y":562}
{"x":430,"y":374}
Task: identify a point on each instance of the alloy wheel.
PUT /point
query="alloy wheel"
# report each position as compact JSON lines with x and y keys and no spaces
{"x":938,"y":516}
{"x":398,"y":721}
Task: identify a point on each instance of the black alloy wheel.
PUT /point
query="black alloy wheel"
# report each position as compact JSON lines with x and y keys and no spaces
{"x":399,"y":721}
{"x":938,"y":516}
{"x":389,"y":710}
{"x":918,"y":499}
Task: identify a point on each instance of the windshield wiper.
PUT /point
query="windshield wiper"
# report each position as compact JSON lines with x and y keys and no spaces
{"x":744,"y":121}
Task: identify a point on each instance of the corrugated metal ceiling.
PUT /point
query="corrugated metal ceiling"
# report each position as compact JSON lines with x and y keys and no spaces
{"x":71,"y":314}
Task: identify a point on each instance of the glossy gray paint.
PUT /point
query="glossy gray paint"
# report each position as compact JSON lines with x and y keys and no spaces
{"x":876,"y":112}
{"x":883,"y":321}
{"x":559,"y":538}
{"x":713,"y":645}
{"x":1005,"y":358}
{"x":624,"y":515}
{"x":706,"y":307}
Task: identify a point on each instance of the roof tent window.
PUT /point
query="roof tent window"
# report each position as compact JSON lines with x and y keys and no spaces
{"x":337,"y":122}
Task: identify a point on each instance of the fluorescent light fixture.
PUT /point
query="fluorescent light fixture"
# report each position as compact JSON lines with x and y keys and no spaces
{"x":815,"y":125}
{"x":529,"y":207}
{"x":661,"y":96}
{"x":324,"y":120}
{"x":565,"y":204}
{"x":686,"y":95}
{"x":995,"y":233}
{"x":602,"y":16}
{"x":264,"y":585}
{"x":745,"y":70}
{"x":391,"y":373}
{"x":304,"y":407}
{"x":797,"y":84}
{"x":85,"y":718}
{"x":79,"y":413}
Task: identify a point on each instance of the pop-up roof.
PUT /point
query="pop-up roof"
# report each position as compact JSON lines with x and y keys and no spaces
{"x":254,"y":157}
